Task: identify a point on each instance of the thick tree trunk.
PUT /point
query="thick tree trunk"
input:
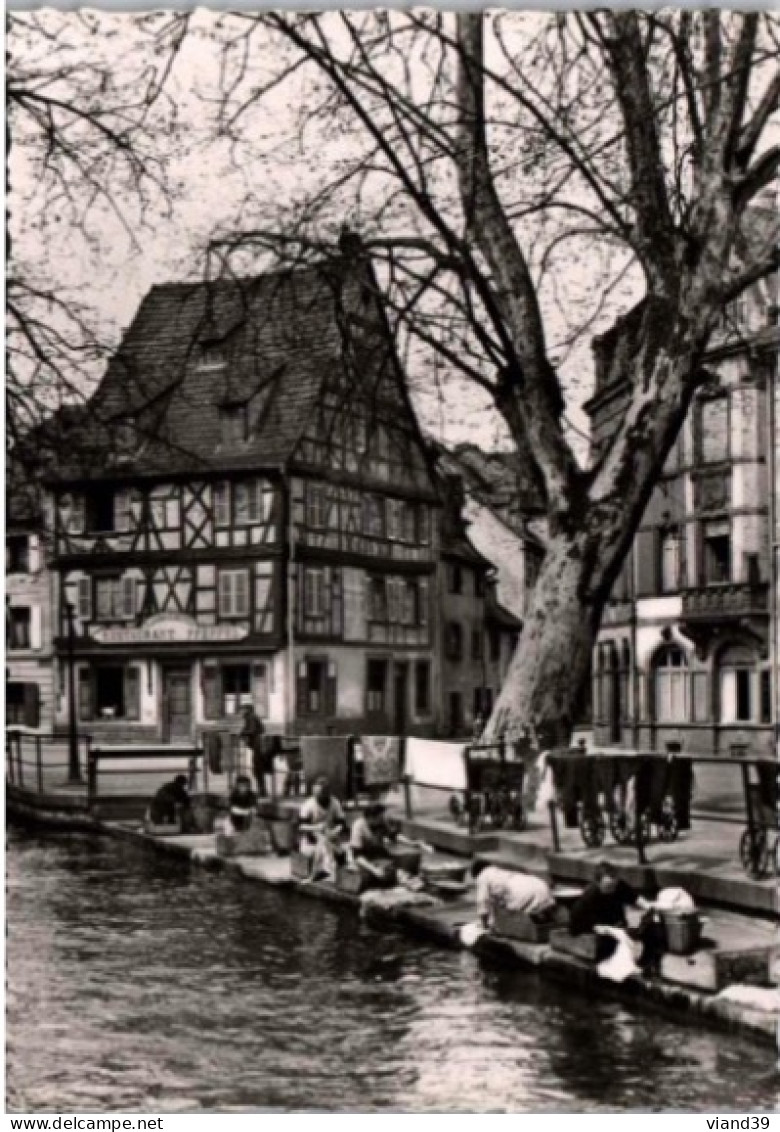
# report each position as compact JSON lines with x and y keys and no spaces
{"x":552,"y":661}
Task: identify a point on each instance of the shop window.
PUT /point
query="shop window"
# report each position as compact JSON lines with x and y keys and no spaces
{"x":236,"y":688}
{"x":376,"y":686}
{"x":716,"y":546}
{"x":17,"y":554}
{"x":422,"y":687}
{"x":109,"y":691}
{"x":115,"y":599}
{"x":233,"y":593}
{"x":18,"y":627}
{"x":314,"y":592}
{"x":454,"y":641}
{"x":670,"y":678}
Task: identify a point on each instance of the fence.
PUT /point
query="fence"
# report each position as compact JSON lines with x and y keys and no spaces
{"x":39,"y":762}
{"x":143,"y":762}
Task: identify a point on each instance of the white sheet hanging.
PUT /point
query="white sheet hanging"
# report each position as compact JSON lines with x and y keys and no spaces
{"x":430,"y":762}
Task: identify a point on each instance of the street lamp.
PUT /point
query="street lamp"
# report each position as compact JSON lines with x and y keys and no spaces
{"x":74,"y":769}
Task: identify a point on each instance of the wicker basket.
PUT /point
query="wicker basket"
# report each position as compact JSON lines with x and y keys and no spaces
{"x":517,"y":925}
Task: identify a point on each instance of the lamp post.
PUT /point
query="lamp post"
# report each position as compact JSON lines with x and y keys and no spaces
{"x":74,"y":769}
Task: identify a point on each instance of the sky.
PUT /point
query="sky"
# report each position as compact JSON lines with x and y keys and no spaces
{"x":220,"y":183}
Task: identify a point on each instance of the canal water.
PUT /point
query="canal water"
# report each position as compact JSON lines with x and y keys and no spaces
{"x":137,"y":983}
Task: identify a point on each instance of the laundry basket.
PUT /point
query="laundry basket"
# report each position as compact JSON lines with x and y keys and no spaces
{"x":683,"y":931}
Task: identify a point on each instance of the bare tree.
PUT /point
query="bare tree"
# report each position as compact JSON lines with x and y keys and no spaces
{"x":477,"y":157}
{"x":84,"y":120}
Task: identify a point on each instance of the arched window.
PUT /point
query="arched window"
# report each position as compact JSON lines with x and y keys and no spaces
{"x":670,"y":682}
{"x":744,"y":692}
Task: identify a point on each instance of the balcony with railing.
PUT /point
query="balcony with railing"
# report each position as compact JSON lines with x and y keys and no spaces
{"x":726,"y":601}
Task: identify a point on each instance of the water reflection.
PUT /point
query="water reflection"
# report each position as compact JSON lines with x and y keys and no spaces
{"x":138,"y":984}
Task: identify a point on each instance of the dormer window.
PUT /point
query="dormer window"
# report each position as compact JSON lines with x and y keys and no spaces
{"x":213,"y":355}
{"x":234,"y":423}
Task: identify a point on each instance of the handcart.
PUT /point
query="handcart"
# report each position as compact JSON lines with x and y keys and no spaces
{"x":759,"y":845}
{"x":494,"y":790}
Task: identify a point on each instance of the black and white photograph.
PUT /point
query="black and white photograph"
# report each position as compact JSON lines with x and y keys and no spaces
{"x":392,"y":589}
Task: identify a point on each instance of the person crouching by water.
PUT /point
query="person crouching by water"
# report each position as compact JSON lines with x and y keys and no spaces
{"x":242,"y":804}
{"x":512,"y":891}
{"x":321,"y":827}
{"x":602,"y":909}
{"x":172,"y":804}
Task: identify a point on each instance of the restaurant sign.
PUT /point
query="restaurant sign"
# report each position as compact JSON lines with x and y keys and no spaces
{"x":166,"y":628}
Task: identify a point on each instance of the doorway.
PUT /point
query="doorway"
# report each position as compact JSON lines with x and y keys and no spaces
{"x":400,"y":681}
{"x":177,"y":704}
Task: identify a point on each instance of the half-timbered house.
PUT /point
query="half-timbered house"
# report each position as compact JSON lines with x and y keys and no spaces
{"x":255,"y":521}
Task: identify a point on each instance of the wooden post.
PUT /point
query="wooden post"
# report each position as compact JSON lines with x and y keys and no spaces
{"x":92,"y":777}
{"x":38,"y":764}
{"x":556,"y":839}
{"x":751,"y":820}
{"x":407,"y":797}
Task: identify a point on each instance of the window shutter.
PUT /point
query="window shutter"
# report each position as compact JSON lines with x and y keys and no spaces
{"x":132,"y":693}
{"x":645,"y":558}
{"x":331,"y":689}
{"x":242,"y":592}
{"x":211,"y":693}
{"x":422,"y":603}
{"x":84,"y":602}
{"x":35,"y":627}
{"x":34,"y":554}
{"x":225,"y":595}
{"x":302,"y":688}
{"x":128,"y":598}
{"x":221,"y":500}
{"x":85,"y":693}
{"x":260,"y":689}
{"x":32,"y":713}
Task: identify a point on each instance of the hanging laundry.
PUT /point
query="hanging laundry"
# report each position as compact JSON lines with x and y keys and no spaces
{"x":326,"y":756}
{"x":381,"y":759}
{"x":567,"y":785}
{"x":660,"y":785}
{"x":430,"y":762}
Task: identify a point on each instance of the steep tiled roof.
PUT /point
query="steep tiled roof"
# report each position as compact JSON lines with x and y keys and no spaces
{"x":281,"y":337}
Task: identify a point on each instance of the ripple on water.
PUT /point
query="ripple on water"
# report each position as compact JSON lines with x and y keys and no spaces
{"x":137,"y":984}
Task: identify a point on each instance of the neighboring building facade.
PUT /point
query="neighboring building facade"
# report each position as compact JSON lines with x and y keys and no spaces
{"x":684,"y":653}
{"x":262,"y":526}
{"x":477,"y":635}
{"x":29,"y":667}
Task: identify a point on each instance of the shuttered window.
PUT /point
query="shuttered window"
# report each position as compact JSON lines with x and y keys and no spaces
{"x":115,"y":599}
{"x":316,"y":687}
{"x":247,"y":502}
{"x":314,"y":592}
{"x":234,"y":593}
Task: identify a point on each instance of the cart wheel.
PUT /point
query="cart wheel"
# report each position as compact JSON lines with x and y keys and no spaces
{"x":593,"y":830}
{"x":754,"y":853}
{"x":618,"y":827}
{"x":668,"y":828}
